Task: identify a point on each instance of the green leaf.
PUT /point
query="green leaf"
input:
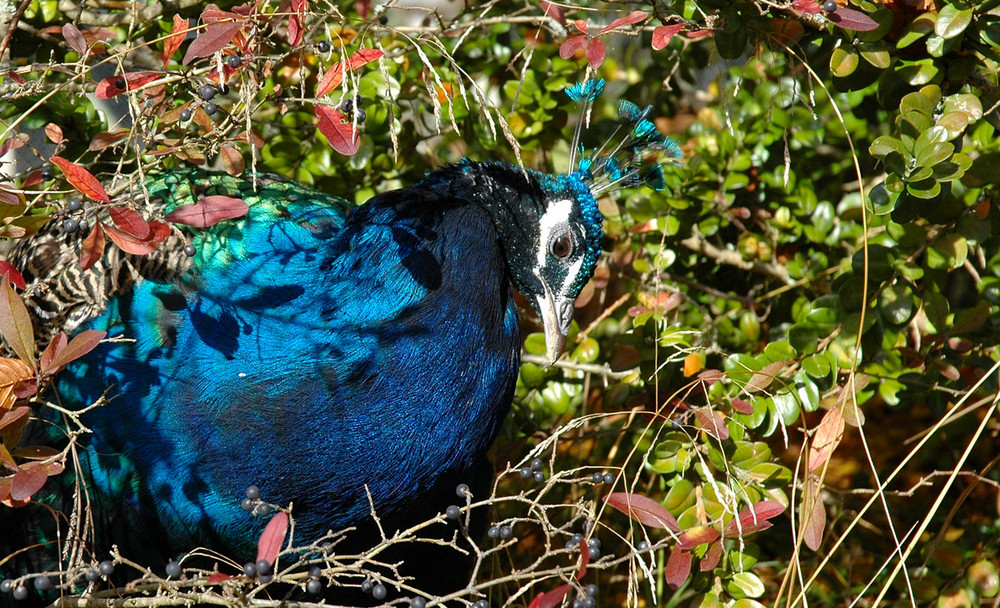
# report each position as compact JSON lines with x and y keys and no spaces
{"x":885,"y":145}
{"x":745,"y":584}
{"x":935,"y":153}
{"x":843,"y":61}
{"x":922,"y":25}
{"x":926,"y":189}
{"x":897,"y":304}
{"x":954,"y":122}
{"x":918,"y":101}
{"x":880,"y":200}
{"x":964,"y":102}
{"x":876,"y":55}
{"x":949,"y":252}
{"x":917,"y":72}
{"x":952,"y":21}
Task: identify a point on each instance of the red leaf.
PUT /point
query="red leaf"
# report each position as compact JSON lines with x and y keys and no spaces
{"x":93,"y":247}
{"x":17,"y":417}
{"x":678,"y":568}
{"x":57,"y":343}
{"x":812,"y":514}
{"x":663,"y":33}
{"x":27,"y":481}
{"x":158,"y":231}
{"x":272,"y":538}
{"x":643,"y":509}
{"x":850,"y":19}
{"x":81,"y":344}
{"x":15,"y":324}
{"x":74,"y":38}
{"x":232,"y":160}
{"x":741,"y":406}
{"x":108,"y":87}
{"x":335,"y":75}
{"x":54,"y":133}
{"x":11,"y":274}
{"x":295,"y":30}
{"x":826,"y":439}
{"x":584,"y":559}
{"x":712,"y":422}
{"x":806,"y":6}
{"x":581,"y":25}
{"x":218,"y":577}
{"x":82,"y":180}
{"x":35,"y":177}
{"x":698,"y":535}
{"x":755,"y":518}
{"x":16,"y":77}
{"x":551,"y":9}
{"x":128,"y":242}
{"x":552,"y":598}
{"x":633,"y":17}
{"x":595,"y":53}
{"x":106,"y":139}
{"x":571,"y":45}
{"x":174,"y":40}
{"x":208,"y":211}
{"x":712,"y":557}
{"x":130,"y":221}
{"x":216,"y":36}
{"x":337,"y":130}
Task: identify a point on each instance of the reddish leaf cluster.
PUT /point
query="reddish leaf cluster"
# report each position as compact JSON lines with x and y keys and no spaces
{"x":130,"y":232}
{"x":295,"y":29}
{"x":116,"y":85}
{"x":221,"y":29}
{"x":82,"y":180}
{"x":335,"y":75}
{"x":551,"y":599}
{"x":591,"y":45}
{"x":209,"y":211}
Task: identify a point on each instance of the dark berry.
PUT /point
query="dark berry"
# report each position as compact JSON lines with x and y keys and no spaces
{"x":263,"y":579}
{"x":185,"y":114}
{"x":47,"y":174}
{"x":829,"y":6}
{"x":264,"y":509}
{"x":43,"y":583}
{"x":598,"y":477}
{"x":6,"y":585}
{"x":609,"y":478}
{"x":173,"y":569}
{"x":264,"y":567}
{"x":119,"y":83}
{"x":207,"y":92}
{"x":84,"y":226}
{"x":462,"y":490}
{"x":594,"y":543}
{"x":211,"y":109}
{"x":366,"y":586}
{"x":595,"y":553}
{"x":70,"y":225}
{"x":234,"y":61}
{"x":642,"y":546}
{"x":506,"y":532}
{"x":525,"y":472}
{"x":383,"y":19}
{"x":223,"y":88}
{"x":539,"y":476}
{"x":347,"y":106}
{"x":591,"y":590}
{"x":589,"y":602}
{"x":250,"y":569}
{"x":107,"y":567}
{"x":577,"y":603}
{"x":481,"y":604}
{"x":20,"y":592}
{"x":315,"y":572}
{"x":379,"y":592}
{"x":536,"y":464}
{"x":323,"y":46}
{"x":576,"y":539}
{"x":74,"y":204}
{"x":247,"y":504}
{"x":189,"y":251}
{"x":314,"y":587}
{"x":493,"y":532}
{"x":418,"y":602}
{"x":253,"y":492}
{"x":453,"y":512}
{"x":360,"y":114}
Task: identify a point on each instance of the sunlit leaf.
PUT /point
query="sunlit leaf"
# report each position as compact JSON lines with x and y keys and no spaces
{"x":128,"y":220}
{"x":335,"y":75}
{"x":27,"y":481}
{"x":271,"y":539}
{"x":850,"y":19}
{"x":176,"y":37}
{"x":550,"y":599}
{"x":81,"y":344}
{"x":595,"y":53}
{"x":11,"y":274}
{"x":643,"y":509}
{"x":82,"y":180}
{"x":663,"y":33}
{"x":208,"y":211}
{"x":213,"y":38}
{"x":338,"y":130}
{"x":633,"y":18}
{"x":15,"y":324}
{"x":826,"y":438}
{"x":128,"y":242}
{"x":93,"y":246}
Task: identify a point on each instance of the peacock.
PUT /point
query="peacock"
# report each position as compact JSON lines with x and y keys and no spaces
{"x":342,"y":360}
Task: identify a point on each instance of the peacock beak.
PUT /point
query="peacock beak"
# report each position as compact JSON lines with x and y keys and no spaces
{"x":557,"y":314}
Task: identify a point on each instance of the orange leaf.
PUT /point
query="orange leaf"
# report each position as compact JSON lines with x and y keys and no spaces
{"x":130,"y":221}
{"x":698,"y":535}
{"x":57,"y":343}
{"x":110,"y":86}
{"x":232,"y":160}
{"x":272,"y":538}
{"x":93,"y":247}
{"x":335,"y":74}
{"x":128,"y":243}
{"x":812,"y":514}
{"x":81,"y":344}
{"x":643,"y":509}
{"x":826,"y":439}
{"x":208,"y":211}
{"x":12,"y":372}
{"x":15,"y":324}
{"x":712,"y":422}
{"x":337,"y":130}
{"x":105,"y":139}
{"x":158,"y":231}
{"x":54,"y":133}
{"x":176,"y":37}
{"x":82,"y":180}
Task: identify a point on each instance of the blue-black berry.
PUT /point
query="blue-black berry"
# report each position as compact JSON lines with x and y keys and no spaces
{"x":223,"y":88}
{"x":314,"y":587}
{"x":481,"y":604}
{"x":591,"y":590}
{"x":315,"y":572}
{"x":829,"y":6}
{"x":506,"y":532}
{"x":589,"y":602}
{"x":379,"y":592}
{"x":453,"y":512}
{"x":248,"y":503}
{"x":84,"y":226}
{"x":6,"y":585}
{"x":234,"y":61}
{"x":493,"y":532}
{"x":418,"y":602}
{"x":47,"y":174}
{"x":536,"y":464}
{"x":211,"y":109}
{"x":74,"y":204}
{"x":253,"y":492}
{"x":598,"y":477}
{"x":119,"y":83}
{"x":323,"y":46}
{"x":366,"y":586}
{"x":70,"y":225}
{"x":107,"y":567}
{"x":525,"y":473}
{"x":539,"y":476}
{"x":594,"y":543}
{"x":264,"y":567}
{"x":20,"y":592}
{"x":207,"y":92}
{"x":642,"y":546}
{"x":264,"y":509}
{"x":250,"y":569}
{"x":609,"y":478}
{"x":462,"y":490}
{"x":91,"y":575}
{"x":263,"y":579}
{"x":185,"y":114}
{"x":43,"y":583}
{"x":173,"y":569}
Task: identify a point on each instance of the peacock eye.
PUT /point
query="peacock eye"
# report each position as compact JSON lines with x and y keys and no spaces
{"x":561,"y":246}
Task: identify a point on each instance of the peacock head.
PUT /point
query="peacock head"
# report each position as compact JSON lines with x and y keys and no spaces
{"x":565,"y":243}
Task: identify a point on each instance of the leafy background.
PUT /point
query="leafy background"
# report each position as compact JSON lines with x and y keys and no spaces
{"x":798,"y":333}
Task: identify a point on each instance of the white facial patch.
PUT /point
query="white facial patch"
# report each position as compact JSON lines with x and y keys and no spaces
{"x":556,"y":217}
